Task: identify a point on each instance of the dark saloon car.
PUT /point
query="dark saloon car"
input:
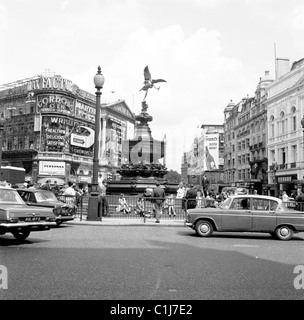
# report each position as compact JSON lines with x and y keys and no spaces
{"x":45,"y":198}
{"x":247,"y":213}
{"x":18,"y":218}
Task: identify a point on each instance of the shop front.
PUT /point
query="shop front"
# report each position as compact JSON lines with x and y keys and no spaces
{"x":287,"y":183}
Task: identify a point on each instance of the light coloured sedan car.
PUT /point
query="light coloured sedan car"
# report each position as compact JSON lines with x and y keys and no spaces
{"x":18,"y":218}
{"x":247,"y":213}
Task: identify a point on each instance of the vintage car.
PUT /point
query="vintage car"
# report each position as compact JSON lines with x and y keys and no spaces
{"x":20,"y":219}
{"x":247,"y":213}
{"x":45,"y":198}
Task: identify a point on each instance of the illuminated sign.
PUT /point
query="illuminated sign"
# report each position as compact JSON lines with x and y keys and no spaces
{"x":55,"y":103}
{"x":85,"y":139}
{"x":52,"y":168}
{"x":85,"y":111}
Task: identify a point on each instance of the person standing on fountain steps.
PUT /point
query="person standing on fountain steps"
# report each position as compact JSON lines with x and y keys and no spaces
{"x":158,"y":198}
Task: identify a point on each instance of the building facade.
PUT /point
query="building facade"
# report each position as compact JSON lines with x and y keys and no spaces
{"x":50,"y":126}
{"x":245,"y":131}
{"x":206,"y":157}
{"x":285,"y":109}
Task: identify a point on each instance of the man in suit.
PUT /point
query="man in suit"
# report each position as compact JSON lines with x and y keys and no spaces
{"x":159,"y":198}
{"x":191,"y":197}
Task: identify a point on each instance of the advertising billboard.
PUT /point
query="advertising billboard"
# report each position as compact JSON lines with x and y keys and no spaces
{"x":211,"y":145}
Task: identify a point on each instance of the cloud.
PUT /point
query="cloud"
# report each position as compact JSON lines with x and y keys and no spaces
{"x":195,"y":70}
{"x":298,"y":19}
{"x":3,"y":17}
{"x":63,"y":5}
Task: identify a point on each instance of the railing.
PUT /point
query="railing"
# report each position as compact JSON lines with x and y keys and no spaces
{"x":179,"y":205}
{"x":174,"y":210}
{"x":298,"y":206}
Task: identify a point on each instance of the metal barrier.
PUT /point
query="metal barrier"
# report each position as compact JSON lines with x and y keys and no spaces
{"x":114,"y":211}
{"x":173,"y":208}
{"x":179,"y":205}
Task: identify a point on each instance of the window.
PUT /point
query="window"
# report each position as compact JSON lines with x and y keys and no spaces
{"x":294,"y":153}
{"x":293,"y":119}
{"x":264,"y":205}
{"x":243,"y":144}
{"x":240,"y":204}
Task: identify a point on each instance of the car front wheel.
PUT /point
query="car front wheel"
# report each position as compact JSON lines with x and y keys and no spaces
{"x":204,"y":228}
{"x":21,"y":234}
{"x":284,"y":233}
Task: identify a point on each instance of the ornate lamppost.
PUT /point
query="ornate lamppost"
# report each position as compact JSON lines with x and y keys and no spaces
{"x":165,"y":151}
{"x":94,"y":205}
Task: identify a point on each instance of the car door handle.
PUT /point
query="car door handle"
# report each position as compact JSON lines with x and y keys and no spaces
{"x":247,"y":211}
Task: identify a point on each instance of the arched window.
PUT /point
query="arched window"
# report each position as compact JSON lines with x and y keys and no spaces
{"x":257,"y":125}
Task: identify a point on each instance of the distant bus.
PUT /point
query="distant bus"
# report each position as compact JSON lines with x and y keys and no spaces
{"x":12,"y":175}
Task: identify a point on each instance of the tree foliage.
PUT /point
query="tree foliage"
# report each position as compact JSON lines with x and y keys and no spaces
{"x":173,"y":177}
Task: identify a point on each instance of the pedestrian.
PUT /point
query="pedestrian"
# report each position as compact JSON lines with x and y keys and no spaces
{"x":191,"y":197}
{"x":285,"y":197}
{"x":158,"y":198}
{"x":70,"y":196}
{"x":46,"y":185}
{"x":199,"y":199}
{"x":123,"y":205}
{"x":169,"y":204}
{"x":55,"y":188}
{"x":140,"y":207}
{"x":103,"y":198}
{"x":180,"y":193}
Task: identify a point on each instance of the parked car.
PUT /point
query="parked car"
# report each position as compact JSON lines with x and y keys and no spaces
{"x":45,"y":198}
{"x":18,"y":218}
{"x":247,"y":213}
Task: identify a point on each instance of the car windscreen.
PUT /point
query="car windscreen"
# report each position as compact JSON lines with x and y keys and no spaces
{"x":10,"y":196}
{"x":225,"y":204}
{"x":45,"y":196}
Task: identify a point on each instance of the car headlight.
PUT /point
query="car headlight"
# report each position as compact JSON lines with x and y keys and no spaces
{"x":57,"y":211}
{"x":50,"y":219}
{"x":11,"y":217}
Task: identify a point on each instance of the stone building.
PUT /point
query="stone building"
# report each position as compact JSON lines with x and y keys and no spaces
{"x":49,"y":130}
{"x":285,"y":109}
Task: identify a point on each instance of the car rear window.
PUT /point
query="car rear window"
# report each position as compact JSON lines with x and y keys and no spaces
{"x":264,"y":204}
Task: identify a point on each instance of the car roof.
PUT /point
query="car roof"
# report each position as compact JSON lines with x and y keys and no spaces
{"x":32,"y":190}
{"x":6,"y":188}
{"x":256,"y":196}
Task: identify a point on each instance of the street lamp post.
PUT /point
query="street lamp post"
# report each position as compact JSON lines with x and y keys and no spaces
{"x":165,"y":150}
{"x":94,"y":212}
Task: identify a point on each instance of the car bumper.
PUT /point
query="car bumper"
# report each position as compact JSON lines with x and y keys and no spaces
{"x":65,"y":218}
{"x":31,"y":225}
{"x":189,"y":224}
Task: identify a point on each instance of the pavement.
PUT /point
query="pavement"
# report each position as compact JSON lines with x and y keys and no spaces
{"x":108,"y":221}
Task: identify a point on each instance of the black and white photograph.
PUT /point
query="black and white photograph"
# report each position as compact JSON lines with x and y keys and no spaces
{"x":151,"y":153}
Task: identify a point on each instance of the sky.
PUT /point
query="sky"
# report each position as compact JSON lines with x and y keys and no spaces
{"x":208,"y":51}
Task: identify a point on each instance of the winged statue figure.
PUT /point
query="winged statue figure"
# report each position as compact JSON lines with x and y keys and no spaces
{"x":149,"y":82}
